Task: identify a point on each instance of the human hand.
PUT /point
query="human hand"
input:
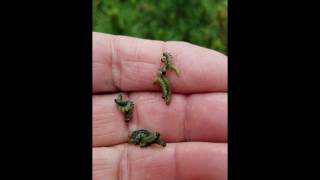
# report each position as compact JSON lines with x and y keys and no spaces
{"x":197,"y":112}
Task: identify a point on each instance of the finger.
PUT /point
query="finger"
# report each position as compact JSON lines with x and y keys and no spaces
{"x":131,"y":64}
{"x":192,"y":160}
{"x":198,"y":117}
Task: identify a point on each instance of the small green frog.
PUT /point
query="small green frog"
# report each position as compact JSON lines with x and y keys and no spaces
{"x":145,"y":138}
{"x":125,"y":106}
{"x":164,"y":83}
{"x":167,"y":60}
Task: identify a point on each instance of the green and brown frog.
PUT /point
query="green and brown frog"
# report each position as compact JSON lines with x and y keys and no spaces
{"x":125,"y":106}
{"x":145,"y":138}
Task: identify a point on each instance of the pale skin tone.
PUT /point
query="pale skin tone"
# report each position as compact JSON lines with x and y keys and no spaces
{"x":194,"y":124}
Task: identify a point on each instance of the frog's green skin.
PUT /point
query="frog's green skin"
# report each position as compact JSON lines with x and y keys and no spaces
{"x":144,"y":138}
{"x":136,"y":136}
{"x":126,"y":107}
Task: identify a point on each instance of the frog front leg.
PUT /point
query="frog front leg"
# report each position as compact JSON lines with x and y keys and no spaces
{"x":143,"y":144}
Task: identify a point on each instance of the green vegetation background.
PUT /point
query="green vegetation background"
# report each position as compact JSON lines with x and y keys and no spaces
{"x":201,"y":22}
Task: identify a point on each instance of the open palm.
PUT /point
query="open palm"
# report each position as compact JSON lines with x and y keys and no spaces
{"x":194,"y":125}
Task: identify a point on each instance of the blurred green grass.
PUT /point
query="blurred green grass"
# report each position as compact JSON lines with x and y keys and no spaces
{"x":202,"y":22}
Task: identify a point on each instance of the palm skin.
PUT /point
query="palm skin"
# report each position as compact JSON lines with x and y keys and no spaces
{"x":194,"y":125}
